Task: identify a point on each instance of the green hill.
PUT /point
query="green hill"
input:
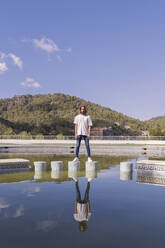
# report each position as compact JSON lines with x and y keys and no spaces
{"x":156,"y":126}
{"x":53,"y":114}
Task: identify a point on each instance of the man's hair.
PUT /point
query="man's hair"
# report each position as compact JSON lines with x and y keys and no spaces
{"x":84,"y":108}
{"x":82,"y":226}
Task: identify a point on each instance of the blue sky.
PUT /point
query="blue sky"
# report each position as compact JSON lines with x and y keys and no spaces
{"x":110,"y":52}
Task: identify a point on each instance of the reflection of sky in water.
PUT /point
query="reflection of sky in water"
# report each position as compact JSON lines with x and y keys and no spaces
{"x":39,"y":213}
{"x":30,"y":191}
{"x":46,"y":225}
{"x":9,"y":211}
{"x":3,"y":204}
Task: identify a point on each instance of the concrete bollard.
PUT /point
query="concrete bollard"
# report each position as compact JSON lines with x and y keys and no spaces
{"x":56,"y":174}
{"x":91,"y":174}
{"x":40,"y":165}
{"x":126,"y":170}
{"x":90,"y":166}
{"x":125,"y":176}
{"x":39,"y":174}
{"x":126,"y":166}
{"x":73,"y":173}
{"x":73,"y":165}
{"x":56,"y":165}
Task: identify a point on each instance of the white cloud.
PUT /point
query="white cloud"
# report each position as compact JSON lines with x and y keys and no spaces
{"x":59,"y":58}
{"x":3,"y":68}
{"x":3,"y":58}
{"x":17,"y":61}
{"x":30,"y":83}
{"x":36,"y":85}
{"x":2,"y":55}
{"x":46,"y":45}
{"x":28,"y":79}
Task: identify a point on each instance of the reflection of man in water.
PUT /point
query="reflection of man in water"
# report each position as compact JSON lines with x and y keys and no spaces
{"x":82,"y":210}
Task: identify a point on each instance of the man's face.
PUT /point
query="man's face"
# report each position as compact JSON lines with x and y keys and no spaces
{"x":82,"y":110}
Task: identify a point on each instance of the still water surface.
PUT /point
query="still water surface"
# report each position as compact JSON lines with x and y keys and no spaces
{"x":40,"y":213}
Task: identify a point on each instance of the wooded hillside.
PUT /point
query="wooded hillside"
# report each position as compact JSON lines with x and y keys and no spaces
{"x":54,"y":114}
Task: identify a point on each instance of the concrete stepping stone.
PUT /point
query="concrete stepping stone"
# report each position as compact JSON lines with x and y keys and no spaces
{"x":126,"y":166}
{"x":125,"y":176}
{"x":56,"y":174}
{"x":90,"y":174}
{"x":73,"y":174}
{"x":73,"y":165}
{"x":39,"y":174}
{"x":40,"y":165}
{"x":93,"y":165}
{"x":56,"y":165}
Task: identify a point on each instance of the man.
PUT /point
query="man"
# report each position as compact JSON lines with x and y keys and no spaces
{"x":83,"y":124}
{"x":82,"y":211}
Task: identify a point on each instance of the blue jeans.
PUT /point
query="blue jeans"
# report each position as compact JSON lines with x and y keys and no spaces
{"x":79,"y":138}
{"x":78,"y":194}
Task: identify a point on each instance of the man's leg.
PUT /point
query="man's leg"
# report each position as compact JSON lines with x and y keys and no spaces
{"x":78,"y":195}
{"x":87,"y":145}
{"x":86,"y":197}
{"x":78,"y":142}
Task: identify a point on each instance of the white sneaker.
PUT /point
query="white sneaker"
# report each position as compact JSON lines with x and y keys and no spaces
{"x":75,"y":179}
{"x":89,"y":159}
{"x":89,"y":180}
{"x":75,"y":159}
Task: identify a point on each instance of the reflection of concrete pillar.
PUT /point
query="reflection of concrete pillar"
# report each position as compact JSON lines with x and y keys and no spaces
{"x":73,"y":166}
{"x":91,"y":174}
{"x":125,"y":175}
{"x":73,"y":174}
{"x":56,"y":165}
{"x":90,"y":166}
{"x":40,"y":165}
{"x":39,"y":174}
{"x":56,"y":174}
{"x":126,"y":166}
{"x":126,"y":170}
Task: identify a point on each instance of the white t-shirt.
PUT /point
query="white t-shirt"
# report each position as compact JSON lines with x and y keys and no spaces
{"x":82,"y":212}
{"x":83,"y":122}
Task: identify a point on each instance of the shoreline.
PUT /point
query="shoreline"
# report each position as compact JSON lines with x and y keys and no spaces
{"x":4,"y":142}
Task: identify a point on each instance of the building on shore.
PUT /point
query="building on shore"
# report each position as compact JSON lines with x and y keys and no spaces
{"x":102,"y":131}
{"x":145,"y":133}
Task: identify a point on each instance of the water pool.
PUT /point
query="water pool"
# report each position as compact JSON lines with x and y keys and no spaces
{"x":39,"y":213}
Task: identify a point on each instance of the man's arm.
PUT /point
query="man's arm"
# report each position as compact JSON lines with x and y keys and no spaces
{"x":89,"y":207}
{"x":89,"y":132}
{"x":75,"y":207}
{"x":75,"y":131}
{"x":89,"y":126}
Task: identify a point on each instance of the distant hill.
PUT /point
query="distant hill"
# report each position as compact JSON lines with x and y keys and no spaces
{"x":156,"y":120}
{"x":156,"y":126}
{"x":53,"y":114}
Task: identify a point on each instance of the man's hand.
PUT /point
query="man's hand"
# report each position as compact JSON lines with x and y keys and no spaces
{"x":89,"y":136}
{"x":75,"y":131}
